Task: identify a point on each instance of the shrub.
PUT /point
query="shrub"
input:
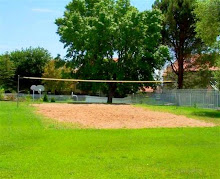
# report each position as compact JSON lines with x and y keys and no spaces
{"x":195,"y":105}
{"x":53,"y":100}
{"x":28,"y":98}
{"x":11,"y":97}
{"x":2,"y":94}
{"x":45,"y":99}
{"x":40,"y":100}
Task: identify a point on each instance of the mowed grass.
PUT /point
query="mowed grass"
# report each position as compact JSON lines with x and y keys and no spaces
{"x":31,"y":150}
{"x":208,"y":115}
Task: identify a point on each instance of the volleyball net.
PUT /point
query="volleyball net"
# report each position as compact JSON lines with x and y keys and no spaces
{"x":75,"y":93}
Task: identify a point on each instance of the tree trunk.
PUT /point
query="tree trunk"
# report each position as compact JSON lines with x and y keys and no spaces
{"x":180,"y":72}
{"x":111,"y":92}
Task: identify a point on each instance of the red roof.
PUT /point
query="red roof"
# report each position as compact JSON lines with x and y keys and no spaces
{"x":147,"y":89}
{"x":115,"y":59}
{"x":191,"y":65}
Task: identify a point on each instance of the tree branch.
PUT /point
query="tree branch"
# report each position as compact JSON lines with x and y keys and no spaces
{"x":174,"y":70}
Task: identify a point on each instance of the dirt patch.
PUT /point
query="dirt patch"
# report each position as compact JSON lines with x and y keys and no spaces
{"x":102,"y":116}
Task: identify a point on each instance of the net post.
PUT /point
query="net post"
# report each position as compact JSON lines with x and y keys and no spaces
{"x":18,"y":88}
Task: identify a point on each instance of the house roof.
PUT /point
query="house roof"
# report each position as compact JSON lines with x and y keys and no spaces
{"x":147,"y":89}
{"x":115,"y":59}
{"x":191,"y":65}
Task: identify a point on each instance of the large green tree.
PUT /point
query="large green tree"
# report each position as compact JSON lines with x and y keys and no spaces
{"x":208,"y":28}
{"x":7,"y":72}
{"x":179,"y":31}
{"x":208,"y":24}
{"x":94,"y":31}
{"x":29,"y":62}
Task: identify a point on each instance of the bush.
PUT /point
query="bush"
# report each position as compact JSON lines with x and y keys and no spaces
{"x":53,"y":100}
{"x":2,"y":94}
{"x":40,"y":100}
{"x":28,"y":98}
{"x":11,"y":97}
{"x":45,"y":99}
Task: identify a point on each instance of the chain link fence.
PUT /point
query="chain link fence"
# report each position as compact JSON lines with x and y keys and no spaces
{"x":179,"y":97}
{"x":191,"y":97}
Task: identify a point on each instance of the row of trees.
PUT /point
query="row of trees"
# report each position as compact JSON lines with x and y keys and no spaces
{"x":96,"y":31}
{"x":34,"y":62}
{"x":25,"y":62}
{"x":191,"y":28}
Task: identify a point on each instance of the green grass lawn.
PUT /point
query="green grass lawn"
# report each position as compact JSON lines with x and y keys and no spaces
{"x":208,"y":115}
{"x":32,"y":149}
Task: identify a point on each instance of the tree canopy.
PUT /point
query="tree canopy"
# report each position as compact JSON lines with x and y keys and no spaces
{"x":208,"y":24}
{"x":7,"y":72}
{"x":53,"y":70}
{"x":208,"y":28}
{"x":96,"y":31}
{"x":29,"y":62}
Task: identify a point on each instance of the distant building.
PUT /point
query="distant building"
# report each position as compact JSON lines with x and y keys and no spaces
{"x":147,"y":90}
{"x":198,"y":73}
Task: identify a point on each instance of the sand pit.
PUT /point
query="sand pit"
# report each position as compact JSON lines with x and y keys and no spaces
{"x":102,"y":116}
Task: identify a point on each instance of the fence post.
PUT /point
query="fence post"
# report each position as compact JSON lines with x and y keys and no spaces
{"x":176,"y":99}
{"x":218,"y":99}
{"x":190,"y":95}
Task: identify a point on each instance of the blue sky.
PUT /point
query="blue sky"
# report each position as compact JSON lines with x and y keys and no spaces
{"x":25,"y":23}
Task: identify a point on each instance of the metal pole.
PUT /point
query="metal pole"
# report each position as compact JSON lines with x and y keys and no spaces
{"x":40,"y":93}
{"x":18,"y":90}
{"x":179,"y":99}
{"x":33,"y":95}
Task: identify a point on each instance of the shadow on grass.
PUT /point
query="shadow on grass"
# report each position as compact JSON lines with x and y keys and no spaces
{"x":212,"y":114}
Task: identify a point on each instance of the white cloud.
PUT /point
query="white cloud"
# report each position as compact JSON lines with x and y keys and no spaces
{"x":42,"y":10}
